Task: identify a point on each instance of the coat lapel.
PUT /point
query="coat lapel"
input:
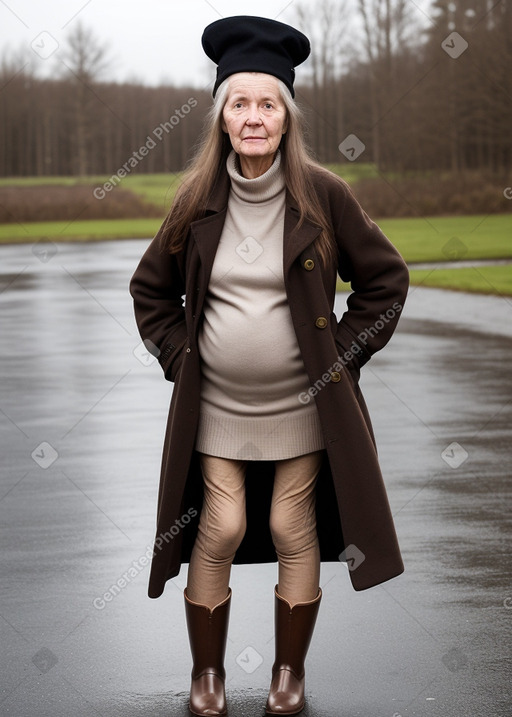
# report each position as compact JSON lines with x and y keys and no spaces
{"x":206,"y":234}
{"x":296,"y":240}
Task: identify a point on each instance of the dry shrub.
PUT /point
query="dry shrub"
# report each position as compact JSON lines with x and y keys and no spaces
{"x":57,"y":202}
{"x":438,"y":195}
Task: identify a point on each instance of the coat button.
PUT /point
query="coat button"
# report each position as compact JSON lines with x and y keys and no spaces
{"x":321,"y":322}
{"x":335,"y":376}
{"x":309,"y":264}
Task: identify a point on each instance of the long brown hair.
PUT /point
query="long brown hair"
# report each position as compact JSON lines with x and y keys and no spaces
{"x":210,"y":160}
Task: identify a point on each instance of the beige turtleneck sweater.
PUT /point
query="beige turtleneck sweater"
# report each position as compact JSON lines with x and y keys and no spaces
{"x":252,"y":370}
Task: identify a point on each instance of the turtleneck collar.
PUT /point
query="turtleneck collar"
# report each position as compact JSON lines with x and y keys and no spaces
{"x":260,"y":189}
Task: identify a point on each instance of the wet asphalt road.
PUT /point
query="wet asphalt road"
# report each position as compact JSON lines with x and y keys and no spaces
{"x":81,"y":429}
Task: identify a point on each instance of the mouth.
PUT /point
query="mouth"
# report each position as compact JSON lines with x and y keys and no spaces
{"x":252,"y":139}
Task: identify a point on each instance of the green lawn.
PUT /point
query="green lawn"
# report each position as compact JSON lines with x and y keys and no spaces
{"x":478,"y":280}
{"x":94,"y":229}
{"x":159,"y":189}
{"x":451,"y":238}
{"x":432,"y":239}
{"x":481,"y":279}
{"x":428,"y":239}
{"x":351,"y":172}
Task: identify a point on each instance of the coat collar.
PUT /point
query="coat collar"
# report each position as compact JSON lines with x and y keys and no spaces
{"x":206,"y":232}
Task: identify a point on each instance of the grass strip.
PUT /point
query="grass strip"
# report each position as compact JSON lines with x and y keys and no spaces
{"x":496,"y":280}
{"x":90,"y":230}
{"x":429,"y":240}
{"x":451,"y":238}
{"x":478,"y":279}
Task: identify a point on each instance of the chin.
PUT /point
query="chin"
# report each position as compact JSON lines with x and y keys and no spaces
{"x":254,"y":151}
{"x":257,"y":154}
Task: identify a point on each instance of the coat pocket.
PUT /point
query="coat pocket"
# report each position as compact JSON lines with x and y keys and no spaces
{"x":171,"y":359}
{"x":351,"y":366}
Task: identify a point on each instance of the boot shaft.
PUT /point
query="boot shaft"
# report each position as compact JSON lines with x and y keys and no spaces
{"x":294,"y":629}
{"x":207,"y":630}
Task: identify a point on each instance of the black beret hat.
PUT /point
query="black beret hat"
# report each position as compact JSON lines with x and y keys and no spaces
{"x":255,"y":44}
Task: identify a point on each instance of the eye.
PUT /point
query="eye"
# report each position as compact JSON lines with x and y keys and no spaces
{"x":268,"y":105}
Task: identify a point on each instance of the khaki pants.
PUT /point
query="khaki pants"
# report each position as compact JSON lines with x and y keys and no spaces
{"x":222,"y":526}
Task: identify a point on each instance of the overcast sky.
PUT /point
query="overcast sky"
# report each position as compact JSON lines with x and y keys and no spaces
{"x":153,"y":41}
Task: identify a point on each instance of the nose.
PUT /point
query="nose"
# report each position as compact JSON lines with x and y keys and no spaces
{"x":253,"y":115}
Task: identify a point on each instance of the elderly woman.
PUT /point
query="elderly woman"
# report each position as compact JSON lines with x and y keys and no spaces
{"x":269,"y":451}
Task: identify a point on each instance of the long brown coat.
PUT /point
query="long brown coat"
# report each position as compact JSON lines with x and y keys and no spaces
{"x":351,"y":504}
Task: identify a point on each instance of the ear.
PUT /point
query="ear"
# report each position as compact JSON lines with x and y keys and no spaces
{"x":224,"y":126}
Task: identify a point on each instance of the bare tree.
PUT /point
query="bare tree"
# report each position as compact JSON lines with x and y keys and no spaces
{"x":413,"y":106}
{"x":327,"y":23}
{"x":385,"y":24}
{"x":85,"y":60}
{"x":84,"y":57}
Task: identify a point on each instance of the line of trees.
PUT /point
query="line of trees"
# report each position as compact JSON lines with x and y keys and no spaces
{"x":424,"y":96}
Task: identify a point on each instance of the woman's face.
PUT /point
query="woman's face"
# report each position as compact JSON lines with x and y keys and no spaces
{"x":254,"y":116}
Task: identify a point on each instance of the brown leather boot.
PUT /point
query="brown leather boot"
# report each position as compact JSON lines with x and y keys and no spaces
{"x":207,"y":631}
{"x":294,"y":629}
